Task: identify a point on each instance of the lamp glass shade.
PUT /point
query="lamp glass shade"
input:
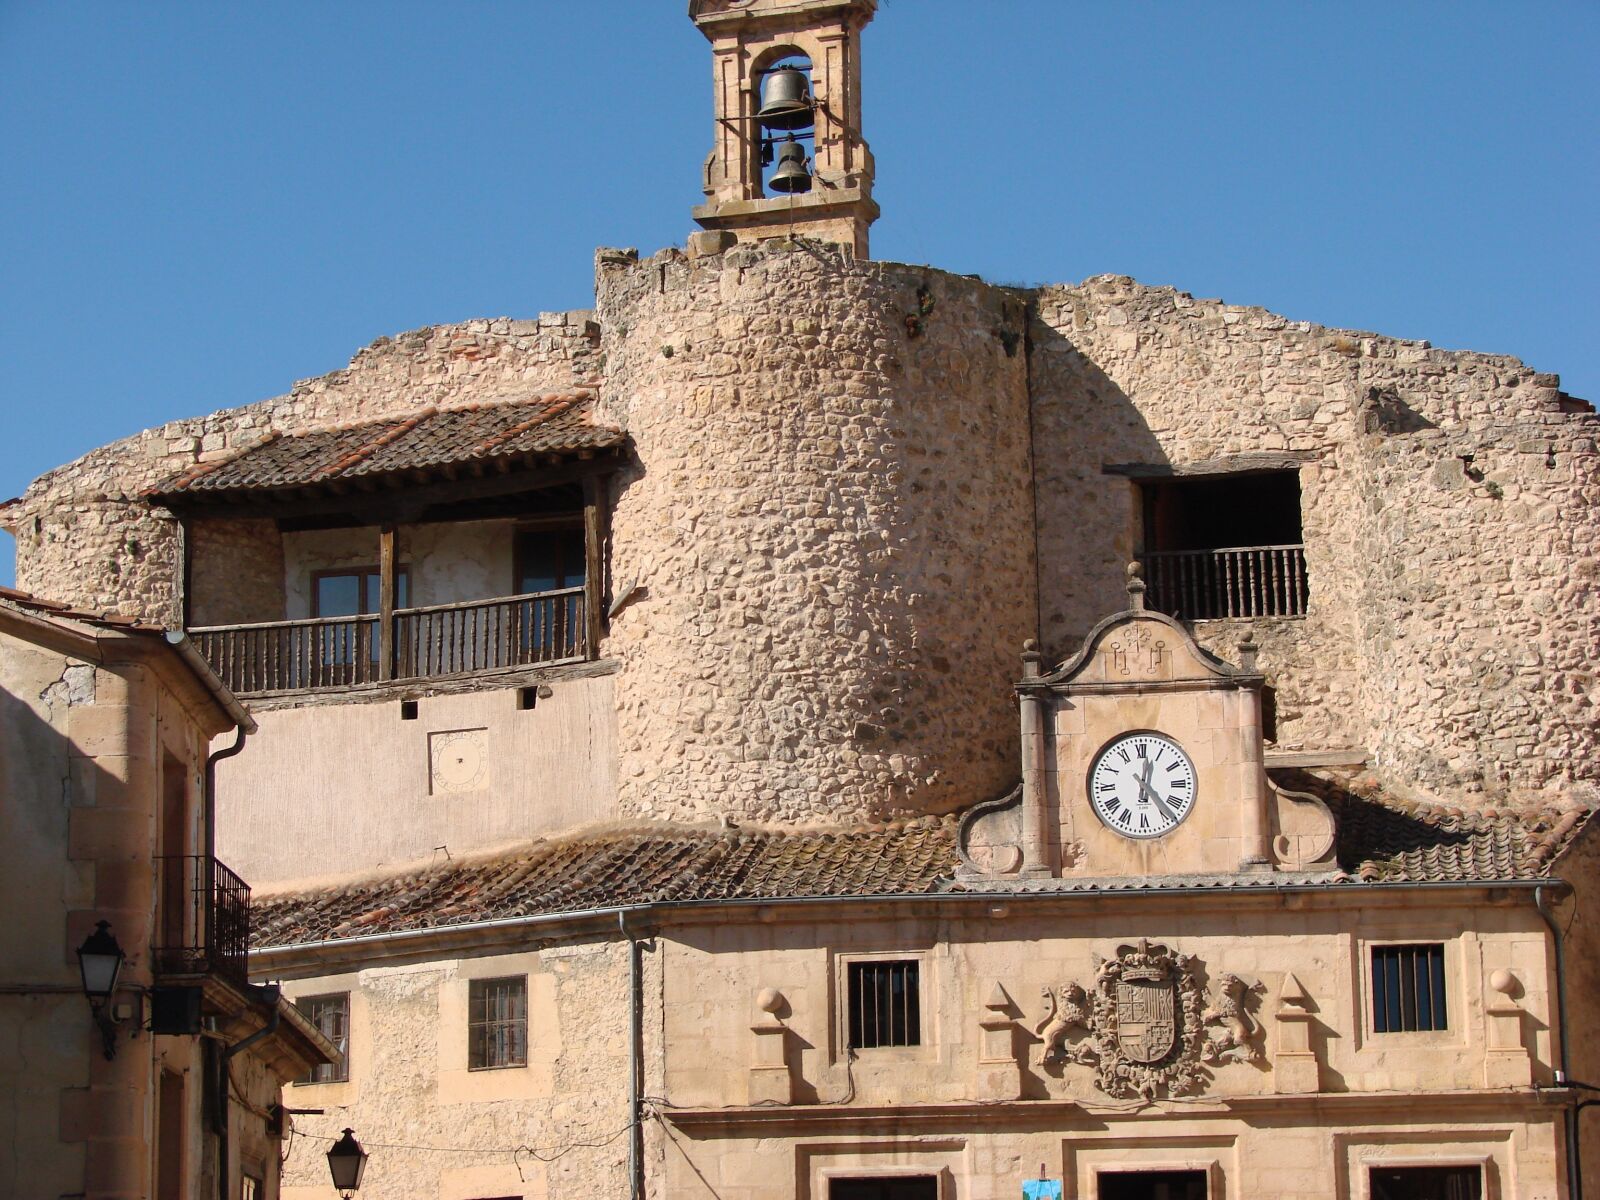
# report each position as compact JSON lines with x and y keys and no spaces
{"x":347,"y":1161}
{"x":100,"y":961}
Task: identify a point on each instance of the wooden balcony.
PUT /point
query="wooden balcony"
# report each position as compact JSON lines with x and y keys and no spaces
{"x":327,"y":653}
{"x":1237,"y":581}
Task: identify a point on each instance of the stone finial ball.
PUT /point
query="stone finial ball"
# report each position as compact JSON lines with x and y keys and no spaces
{"x":1135,"y":570}
{"x":1503,"y":981}
{"x":1030,"y":646}
{"x":769,"y":1000}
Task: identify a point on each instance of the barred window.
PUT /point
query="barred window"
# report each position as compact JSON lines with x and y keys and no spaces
{"x":1408,"y":988}
{"x":497,"y":1023}
{"x":885,"y":1007}
{"x":331,"y":1016}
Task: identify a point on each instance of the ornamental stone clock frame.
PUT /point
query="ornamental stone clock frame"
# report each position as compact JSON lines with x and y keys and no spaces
{"x":1141,"y":673}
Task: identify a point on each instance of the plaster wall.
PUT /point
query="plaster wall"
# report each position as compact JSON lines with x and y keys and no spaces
{"x":85,"y":537}
{"x":409,"y":1079}
{"x":447,"y":562}
{"x":1449,"y":512}
{"x":829,"y":528}
{"x":364,"y":788}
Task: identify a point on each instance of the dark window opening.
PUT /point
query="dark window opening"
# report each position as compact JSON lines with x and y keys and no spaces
{"x":1408,"y":991}
{"x":331,"y":1016}
{"x":408,"y":710}
{"x":1427,"y":1183}
{"x":885,"y":1007}
{"x":527,"y":698}
{"x":1224,"y":546}
{"x":547,"y":560}
{"x":497,"y":1023}
{"x":1152,"y":1185}
{"x":894,"y":1187}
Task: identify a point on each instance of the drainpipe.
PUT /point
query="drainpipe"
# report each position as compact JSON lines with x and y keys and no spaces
{"x":635,"y":1058}
{"x":226,"y":1091}
{"x":1564,"y":1072}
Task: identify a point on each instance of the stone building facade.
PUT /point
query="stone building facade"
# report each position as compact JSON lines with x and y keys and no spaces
{"x":171,"y":1086}
{"x":662,"y":665}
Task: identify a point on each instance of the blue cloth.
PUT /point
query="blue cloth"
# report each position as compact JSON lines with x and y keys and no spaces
{"x":1041,"y":1189}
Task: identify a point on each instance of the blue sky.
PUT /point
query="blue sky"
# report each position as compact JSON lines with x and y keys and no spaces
{"x":201,"y":203}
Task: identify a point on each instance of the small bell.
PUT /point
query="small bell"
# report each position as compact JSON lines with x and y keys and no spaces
{"x":791,"y":175}
{"x":785,"y":100}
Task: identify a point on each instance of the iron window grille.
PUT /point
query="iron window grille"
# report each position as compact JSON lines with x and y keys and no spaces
{"x":497,"y":1023}
{"x":331,"y":1016}
{"x":1408,"y":993}
{"x":885,"y":1004}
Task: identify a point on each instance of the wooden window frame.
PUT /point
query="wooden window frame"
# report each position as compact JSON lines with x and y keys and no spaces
{"x":338,"y":1072}
{"x":481,"y":1029}
{"x":362,"y":573}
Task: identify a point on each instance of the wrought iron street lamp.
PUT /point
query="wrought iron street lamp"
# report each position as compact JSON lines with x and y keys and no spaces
{"x":346,"y":1163}
{"x":100,"y":961}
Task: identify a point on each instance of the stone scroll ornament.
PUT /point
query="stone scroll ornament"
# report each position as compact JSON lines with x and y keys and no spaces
{"x":1143,"y":1026}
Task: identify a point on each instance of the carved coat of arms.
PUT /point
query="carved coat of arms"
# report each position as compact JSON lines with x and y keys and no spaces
{"x":1143,"y":1024}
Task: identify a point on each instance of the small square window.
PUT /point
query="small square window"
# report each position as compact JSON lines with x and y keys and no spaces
{"x":497,"y":1023}
{"x":885,"y":1004}
{"x":1408,"y":993}
{"x":331,"y":1016}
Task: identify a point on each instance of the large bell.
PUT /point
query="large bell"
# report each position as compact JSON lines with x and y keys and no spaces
{"x":785,"y":100}
{"x":791,"y":175}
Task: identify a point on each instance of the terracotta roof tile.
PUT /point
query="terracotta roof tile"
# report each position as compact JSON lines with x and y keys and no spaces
{"x":638,"y":866}
{"x":427,"y":440}
{"x":51,"y":608}
{"x":1381,"y":840}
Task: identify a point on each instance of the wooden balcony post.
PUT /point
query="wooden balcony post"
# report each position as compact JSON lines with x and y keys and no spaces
{"x":595,"y":519}
{"x":387,"y":575}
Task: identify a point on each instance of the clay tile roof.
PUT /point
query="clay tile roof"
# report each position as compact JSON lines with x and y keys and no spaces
{"x":1396,"y":842}
{"x":1381,"y":840}
{"x":428,"y":440}
{"x":637,"y":866}
{"x":50,"y":608}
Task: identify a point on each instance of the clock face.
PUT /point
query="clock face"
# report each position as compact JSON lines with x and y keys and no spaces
{"x":1142,"y":785}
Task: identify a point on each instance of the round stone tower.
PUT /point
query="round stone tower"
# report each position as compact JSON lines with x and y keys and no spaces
{"x":823,"y":564}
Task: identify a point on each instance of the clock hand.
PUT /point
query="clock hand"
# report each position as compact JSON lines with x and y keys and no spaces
{"x":1146,"y":791}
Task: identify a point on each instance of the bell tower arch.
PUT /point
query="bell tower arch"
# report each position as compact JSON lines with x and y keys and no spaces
{"x":787,"y":152}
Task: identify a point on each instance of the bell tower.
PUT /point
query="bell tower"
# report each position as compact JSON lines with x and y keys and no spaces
{"x":788,"y":154}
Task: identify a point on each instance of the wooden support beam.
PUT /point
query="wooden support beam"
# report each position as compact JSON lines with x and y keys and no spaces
{"x":388,"y":574}
{"x":596,"y":522}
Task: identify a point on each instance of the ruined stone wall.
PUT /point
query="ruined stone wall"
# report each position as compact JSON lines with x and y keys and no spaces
{"x":829,"y":533}
{"x":86,"y":538}
{"x":1449,"y":511}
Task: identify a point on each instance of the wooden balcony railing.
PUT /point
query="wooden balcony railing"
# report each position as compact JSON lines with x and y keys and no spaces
{"x":203,"y":918}
{"x":1239,"y":581}
{"x":449,"y":639}
{"x":443,"y":639}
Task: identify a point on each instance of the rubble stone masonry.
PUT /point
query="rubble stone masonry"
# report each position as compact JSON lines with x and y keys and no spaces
{"x":1450,"y":520}
{"x":858,"y":486}
{"x":832,"y":526}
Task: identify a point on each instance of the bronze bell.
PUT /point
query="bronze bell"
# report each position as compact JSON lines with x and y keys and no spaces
{"x":785,"y":100}
{"x":791,"y":175}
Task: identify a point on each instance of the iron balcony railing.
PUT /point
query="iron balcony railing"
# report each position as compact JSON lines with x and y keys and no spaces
{"x":443,"y":639}
{"x":1237,"y":581}
{"x":203,"y":918}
